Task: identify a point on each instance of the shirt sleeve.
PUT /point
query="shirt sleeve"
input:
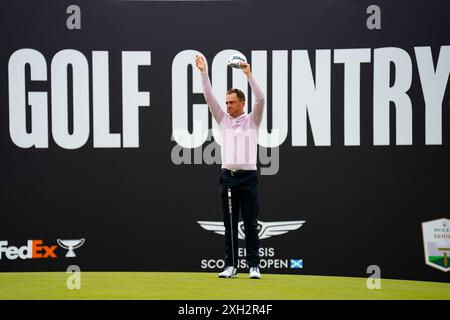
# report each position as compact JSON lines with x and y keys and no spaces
{"x":258,"y":106}
{"x":211,"y":100}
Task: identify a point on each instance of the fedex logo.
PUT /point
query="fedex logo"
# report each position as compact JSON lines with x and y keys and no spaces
{"x":34,"y":249}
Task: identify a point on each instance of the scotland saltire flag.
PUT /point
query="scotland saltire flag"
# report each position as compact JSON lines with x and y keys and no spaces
{"x":296,"y":264}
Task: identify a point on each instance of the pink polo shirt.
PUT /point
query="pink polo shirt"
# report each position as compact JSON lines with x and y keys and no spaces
{"x":239,"y":136}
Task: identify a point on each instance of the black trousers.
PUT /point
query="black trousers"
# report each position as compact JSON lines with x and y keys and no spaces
{"x":244,"y":195}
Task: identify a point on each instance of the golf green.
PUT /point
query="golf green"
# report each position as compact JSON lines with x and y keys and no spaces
{"x":207,"y":286}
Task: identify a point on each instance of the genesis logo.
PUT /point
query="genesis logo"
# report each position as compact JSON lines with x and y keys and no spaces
{"x":266,"y":229}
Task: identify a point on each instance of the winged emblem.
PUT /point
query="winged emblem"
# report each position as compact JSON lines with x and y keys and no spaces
{"x":265,"y":229}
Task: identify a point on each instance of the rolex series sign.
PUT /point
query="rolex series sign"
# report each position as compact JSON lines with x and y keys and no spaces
{"x":436,"y":241}
{"x":111,"y":160}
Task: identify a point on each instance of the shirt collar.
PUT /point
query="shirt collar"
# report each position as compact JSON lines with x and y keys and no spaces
{"x":237,"y":118}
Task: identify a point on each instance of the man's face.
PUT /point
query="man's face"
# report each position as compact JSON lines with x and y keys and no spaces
{"x":235,"y":107}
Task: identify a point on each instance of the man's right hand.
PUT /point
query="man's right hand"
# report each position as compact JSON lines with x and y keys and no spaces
{"x":200,"y":63}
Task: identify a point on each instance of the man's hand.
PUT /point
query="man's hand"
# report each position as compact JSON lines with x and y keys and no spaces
{"x":200,"y":63}
{"x":246,"y":69}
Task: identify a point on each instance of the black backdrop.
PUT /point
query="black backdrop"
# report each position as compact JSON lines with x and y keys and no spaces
{"x":363,"y":205}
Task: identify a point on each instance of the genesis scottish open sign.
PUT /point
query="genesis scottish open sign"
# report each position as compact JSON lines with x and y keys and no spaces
{"x":110,"y":158}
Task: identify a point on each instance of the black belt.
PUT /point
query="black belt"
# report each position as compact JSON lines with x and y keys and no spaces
{"x":235,"y":172}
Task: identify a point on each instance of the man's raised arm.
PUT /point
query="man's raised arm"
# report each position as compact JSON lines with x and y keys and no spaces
{"x":211,"y":100}
{"x":258,"y":106}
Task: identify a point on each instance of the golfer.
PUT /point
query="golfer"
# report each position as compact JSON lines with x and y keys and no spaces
{"x":239,"y":180}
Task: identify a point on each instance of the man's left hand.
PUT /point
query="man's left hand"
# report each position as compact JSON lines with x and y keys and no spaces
{"x":246,"y":69}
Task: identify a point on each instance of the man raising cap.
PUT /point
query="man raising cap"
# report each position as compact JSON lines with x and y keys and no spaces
{"x":239,"y":180}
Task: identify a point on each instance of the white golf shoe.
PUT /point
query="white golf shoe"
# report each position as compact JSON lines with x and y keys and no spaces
{"x":254,"y":273}
{"x":229,"y":272}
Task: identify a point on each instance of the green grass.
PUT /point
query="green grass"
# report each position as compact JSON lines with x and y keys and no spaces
{"x":206,"y":286}
{"x":438,"y":260}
